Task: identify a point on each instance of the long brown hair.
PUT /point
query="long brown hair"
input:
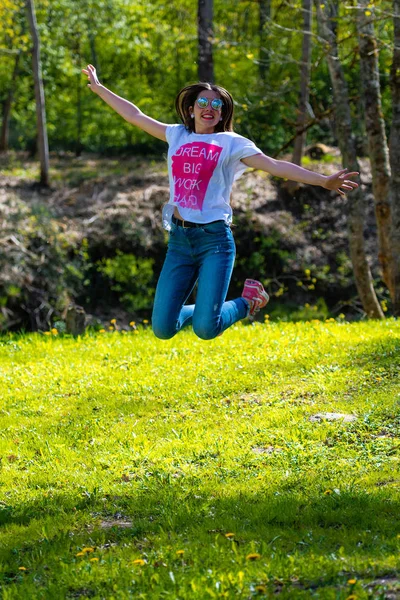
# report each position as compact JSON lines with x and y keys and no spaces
{"x":187,"y":97}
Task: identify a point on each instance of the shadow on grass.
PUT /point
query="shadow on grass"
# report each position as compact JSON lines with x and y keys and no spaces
{"x":304,"y":534}
{"x":169,"y":505}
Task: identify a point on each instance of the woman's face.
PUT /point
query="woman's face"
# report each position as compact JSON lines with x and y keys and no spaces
{"x":207,"y":118}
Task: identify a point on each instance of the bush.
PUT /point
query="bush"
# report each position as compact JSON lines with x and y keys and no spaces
{"x":131,"y":278}
{"x":42,"y":266}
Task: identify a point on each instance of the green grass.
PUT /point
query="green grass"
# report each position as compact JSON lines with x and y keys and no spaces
{"x":152,"y":451}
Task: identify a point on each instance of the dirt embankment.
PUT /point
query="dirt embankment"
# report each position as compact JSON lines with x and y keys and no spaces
{"x":116,"y":204}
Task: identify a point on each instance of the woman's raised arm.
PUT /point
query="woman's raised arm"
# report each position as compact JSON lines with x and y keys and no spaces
{"x":339,"y":181}
{"x":127,"y":110}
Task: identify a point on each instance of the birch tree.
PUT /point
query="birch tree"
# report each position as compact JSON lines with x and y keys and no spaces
{"x":327,"y":18}
{"x":305,"y":71}
{"x":378,"y":149}
{"x":394,"y":146}
{"x":43,"y":145}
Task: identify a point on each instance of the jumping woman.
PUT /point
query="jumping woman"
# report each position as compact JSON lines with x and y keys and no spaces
{"x":205,"y":156}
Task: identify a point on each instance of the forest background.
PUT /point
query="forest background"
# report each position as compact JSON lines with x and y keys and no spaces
{"x":92,"y":234}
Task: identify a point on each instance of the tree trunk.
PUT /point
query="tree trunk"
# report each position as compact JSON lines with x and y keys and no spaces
{"x":377,"y":144}
{"x":39,"y":97}
{"x":75,"y":320}
{"x":7,"y":108}
{"x":264,"y":54}
{"x":79,"y":117}
{"x":79,"y":108}
{"x":205,"y":36}
{"x":93,"y":53}
{"x":327,"y":15}
{"x":304,"y":83}
{"x":394,"y":145}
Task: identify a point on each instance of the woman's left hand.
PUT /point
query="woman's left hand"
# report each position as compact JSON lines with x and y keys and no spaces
{"x":340,"y":182}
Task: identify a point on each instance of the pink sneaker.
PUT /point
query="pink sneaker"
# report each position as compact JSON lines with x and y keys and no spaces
{"x":255,"y":294}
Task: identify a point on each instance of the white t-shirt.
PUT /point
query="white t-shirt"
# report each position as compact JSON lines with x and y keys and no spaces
{"x":202,"y":169}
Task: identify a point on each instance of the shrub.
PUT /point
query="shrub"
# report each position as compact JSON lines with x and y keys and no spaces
{"x":131,"y":278}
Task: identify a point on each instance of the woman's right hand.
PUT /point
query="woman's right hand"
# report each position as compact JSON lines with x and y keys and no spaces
{"x":94,"y":84}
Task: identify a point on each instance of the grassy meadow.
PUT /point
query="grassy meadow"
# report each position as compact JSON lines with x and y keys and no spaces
{"x":184,"y":469}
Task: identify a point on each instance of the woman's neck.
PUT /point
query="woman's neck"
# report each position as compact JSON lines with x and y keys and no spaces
{"x":205,"y":132}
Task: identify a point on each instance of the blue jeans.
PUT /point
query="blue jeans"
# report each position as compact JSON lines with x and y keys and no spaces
{"x":205,"y":254}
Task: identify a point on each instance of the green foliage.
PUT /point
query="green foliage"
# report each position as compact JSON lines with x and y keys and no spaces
{"x":131,"y":278}
{"x":260,"y":253}
{"x":309,"y":312}
{"x":134,"y":467}
{"x":146,"y":51}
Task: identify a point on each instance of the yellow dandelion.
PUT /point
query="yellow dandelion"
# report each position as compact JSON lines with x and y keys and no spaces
{"x":132,"y":323}
{"x":87,"y":550}
{"x":145,"y":321}
{"x":21,"y":568}
{"x":250,"y":55}
{"x":54,"y":331}
{"x":341,"y":316}
{"x":327,"y":492}
{"x":368,"y":13}
{"x":113,"y":321}
{"x":94,"y":559}
{"x":307,"y":272}
{"x":253,"y":556}
{"x":47,"y":333}
{"x":352,"y":581}
{"x":102,"y":331}
{"x":139,"y":561}
{"x":80,"y":554}
{"x":180,"y":552}
{"x":229,"y":535}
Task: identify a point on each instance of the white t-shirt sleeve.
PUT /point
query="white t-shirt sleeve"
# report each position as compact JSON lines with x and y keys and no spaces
{"x":172,"y":132}
{"x":242,"y":148}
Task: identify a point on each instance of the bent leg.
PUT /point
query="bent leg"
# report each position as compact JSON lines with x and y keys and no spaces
{"x":174,"y":286}
{"x":212,"y":314}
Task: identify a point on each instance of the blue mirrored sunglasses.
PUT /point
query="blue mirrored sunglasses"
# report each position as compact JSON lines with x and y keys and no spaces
{"x":216,"y":104}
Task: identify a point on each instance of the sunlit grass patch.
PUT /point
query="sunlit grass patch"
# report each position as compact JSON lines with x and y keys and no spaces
{"x":191,"y":469}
